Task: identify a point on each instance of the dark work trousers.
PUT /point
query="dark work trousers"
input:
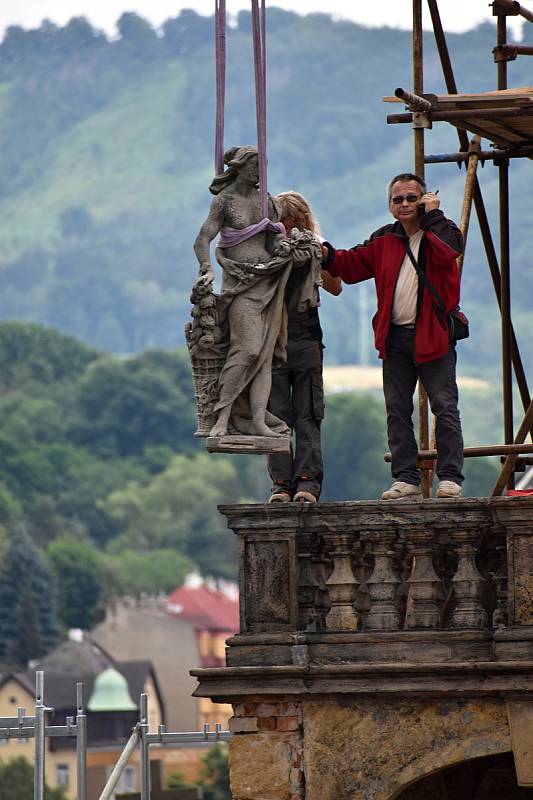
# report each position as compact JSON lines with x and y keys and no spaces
{"x":297,"y":397}
{"x":400,"y":374}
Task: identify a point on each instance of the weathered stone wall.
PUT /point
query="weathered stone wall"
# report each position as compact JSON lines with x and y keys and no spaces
{"x":266,"y":752}
{"x":361,"y":749}
{"x":353,"y":748}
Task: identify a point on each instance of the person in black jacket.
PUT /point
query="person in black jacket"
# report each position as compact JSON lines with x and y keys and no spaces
{"x":297,"y":394}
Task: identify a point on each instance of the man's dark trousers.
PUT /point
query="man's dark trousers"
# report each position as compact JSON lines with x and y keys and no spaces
{"x":297,"y":397}
{"x":400,"y":373}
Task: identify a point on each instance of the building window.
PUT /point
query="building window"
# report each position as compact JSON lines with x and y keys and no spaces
{"x":62,"y":775}
{"x":127,"y":782}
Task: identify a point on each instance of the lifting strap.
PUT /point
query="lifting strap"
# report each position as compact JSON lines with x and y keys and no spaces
{"x":220,"y":61}
{"x":259,"y":49}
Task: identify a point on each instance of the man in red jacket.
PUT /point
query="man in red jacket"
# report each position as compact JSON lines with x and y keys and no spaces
{"x":410,"y":333}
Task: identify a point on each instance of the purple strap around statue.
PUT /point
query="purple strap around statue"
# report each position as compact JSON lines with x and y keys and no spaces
{"x":259,"y":41}
{"x":229,"y":237}
{"x":220,"y":60}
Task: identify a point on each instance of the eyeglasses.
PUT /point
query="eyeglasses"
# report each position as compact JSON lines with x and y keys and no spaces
{"x":399,"y":198}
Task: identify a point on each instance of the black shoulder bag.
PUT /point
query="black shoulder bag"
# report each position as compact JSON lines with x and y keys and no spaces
{"x":456,"y":321}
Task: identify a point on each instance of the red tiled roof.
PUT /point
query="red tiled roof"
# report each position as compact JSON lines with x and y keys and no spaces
{"x":205,"y":608}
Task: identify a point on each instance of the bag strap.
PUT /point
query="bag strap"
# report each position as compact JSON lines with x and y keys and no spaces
{"x":422,"y":277}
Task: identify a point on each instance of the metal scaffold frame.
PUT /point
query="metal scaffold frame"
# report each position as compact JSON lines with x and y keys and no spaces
{"x":422,"y":111}
{"x":35,"y":727}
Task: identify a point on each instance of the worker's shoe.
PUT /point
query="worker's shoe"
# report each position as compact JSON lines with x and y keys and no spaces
{"x":307,"y":490}
{"x":280,"y":495}
{"x":303,"y":496}
{"x":449,"y":489}
{"x":401,"y":491}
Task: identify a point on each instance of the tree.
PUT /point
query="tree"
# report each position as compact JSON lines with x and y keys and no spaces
{"x":30,"y":353}
{"x":214,"y":778}
{"x":177,"y":509}
{"x":28,"y":621}
{"x":80,"y":580}
{"x":127,"y":405}
{"x":354,"y":441}
{"x":134,"y":573}
{"x":16,"y":782}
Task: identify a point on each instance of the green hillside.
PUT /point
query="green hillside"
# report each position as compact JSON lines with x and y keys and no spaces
{"x":106,"y":152}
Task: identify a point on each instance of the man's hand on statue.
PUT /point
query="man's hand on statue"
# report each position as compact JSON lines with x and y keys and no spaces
{"x":325,"y":252}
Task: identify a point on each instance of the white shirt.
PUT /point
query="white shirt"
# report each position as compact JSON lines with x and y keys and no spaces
{"x":406,"y":292}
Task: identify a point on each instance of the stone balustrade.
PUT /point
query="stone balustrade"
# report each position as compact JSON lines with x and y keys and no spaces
{"x":379,"y":642}
{"x":343,"y":582}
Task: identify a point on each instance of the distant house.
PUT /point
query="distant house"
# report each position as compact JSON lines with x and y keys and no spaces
{"x":187,"y":629}
{"x":111,"y":696}
{"x":214,"y":616}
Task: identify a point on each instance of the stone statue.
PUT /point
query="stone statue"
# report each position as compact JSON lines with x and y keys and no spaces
{"x":235,"y":334}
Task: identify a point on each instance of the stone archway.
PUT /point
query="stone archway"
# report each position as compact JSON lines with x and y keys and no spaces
{"x":487,"y":778}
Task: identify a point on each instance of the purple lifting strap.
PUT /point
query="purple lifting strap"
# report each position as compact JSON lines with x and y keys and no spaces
{"x":229,"y":237}
{"x":259,"y":40}
{"x":220,"y":60}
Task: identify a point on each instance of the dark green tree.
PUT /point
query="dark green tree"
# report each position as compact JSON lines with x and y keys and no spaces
{"x":134,"y":572}
{"x":354,"y":442}
{"x":177,"y":509}
{"x":30,"y":353}
{"x":28,"y":620}
{"x":125,"y":406}
{"x":16,"y":782}
{"x":80,"y":578}
{"x":214,"y":778}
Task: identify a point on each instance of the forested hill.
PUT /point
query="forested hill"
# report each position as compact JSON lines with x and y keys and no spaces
{"x":106,"y":152}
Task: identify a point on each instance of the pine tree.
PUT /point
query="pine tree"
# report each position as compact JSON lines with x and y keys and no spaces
{"x":28,"y":621}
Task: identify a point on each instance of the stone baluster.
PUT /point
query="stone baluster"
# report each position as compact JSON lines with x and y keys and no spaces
{"x":424,"y":584}
{"x":383,"y":584}
{"x":320,"y":568}
{"x":307,"y":585}
{"x":341,"y":585}
{"x":467,"y":582}
{"x":500,"y":615}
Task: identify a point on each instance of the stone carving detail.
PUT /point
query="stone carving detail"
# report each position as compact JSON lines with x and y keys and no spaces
{"x":424,"y":584}
{"x":235,"y":334}
{"x":383,"y":584}
{"x":342,"y":586}
{"x":207,"y":353}
{"x":267,"y":603}
{"x":467,"y":583}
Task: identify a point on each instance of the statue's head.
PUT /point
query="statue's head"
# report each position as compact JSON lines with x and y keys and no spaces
{"x":235,"y":159}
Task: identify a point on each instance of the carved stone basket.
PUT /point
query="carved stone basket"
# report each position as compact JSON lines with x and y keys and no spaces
{"x":206,"y":368}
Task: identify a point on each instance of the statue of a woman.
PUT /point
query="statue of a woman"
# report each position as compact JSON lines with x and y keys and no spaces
{"x":256,"y":262}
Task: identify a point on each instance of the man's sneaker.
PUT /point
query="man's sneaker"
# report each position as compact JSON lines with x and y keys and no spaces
{"x":400,"y":490}
{"x":280,"y":496}
{"x":304,"y":497}
{"x":449,"y":489}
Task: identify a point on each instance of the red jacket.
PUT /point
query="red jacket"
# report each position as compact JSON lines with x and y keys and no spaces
{"x":381,"y":256}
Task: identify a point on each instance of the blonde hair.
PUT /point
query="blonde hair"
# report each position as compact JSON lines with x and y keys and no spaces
{"x":293,"y":204}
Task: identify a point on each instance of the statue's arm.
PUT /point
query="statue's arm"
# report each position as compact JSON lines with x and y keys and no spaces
{"x":206,"y":234}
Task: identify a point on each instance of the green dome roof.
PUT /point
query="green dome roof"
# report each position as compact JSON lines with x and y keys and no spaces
{"x":111,"y":693}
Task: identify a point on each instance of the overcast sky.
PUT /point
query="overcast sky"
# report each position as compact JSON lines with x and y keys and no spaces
{"x":457,"y":15}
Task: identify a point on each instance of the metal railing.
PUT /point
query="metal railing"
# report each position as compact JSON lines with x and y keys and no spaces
{"x":35,"y":727}
{"x":141,"y":738}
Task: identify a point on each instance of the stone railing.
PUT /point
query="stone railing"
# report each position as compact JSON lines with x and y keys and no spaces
{"x":374,"y":572}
